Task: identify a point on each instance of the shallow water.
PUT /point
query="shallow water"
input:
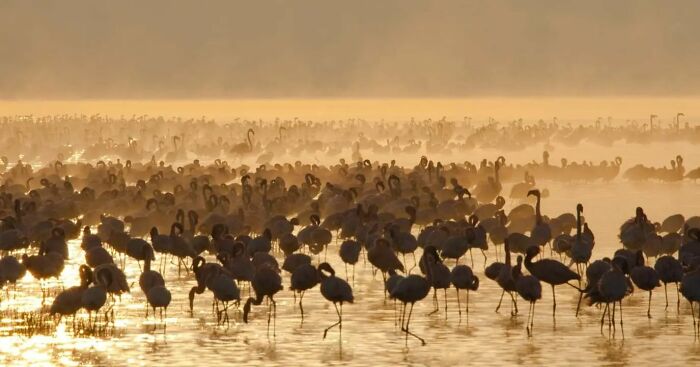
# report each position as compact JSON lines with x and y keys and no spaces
{"x":369,"y":335}
{"x":369,"y":332}
{"x":578,"y":109}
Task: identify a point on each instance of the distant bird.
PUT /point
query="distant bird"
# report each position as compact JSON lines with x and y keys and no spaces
{"x":95,"y":297}
{"x":383,"y":257}
{"x":391,"y":282}
{"x":583,"y":242}
{"x":266,"y":283}
{"x":410,"y":290}
{"x":613,"y":286}
{"x":304,"y":277}
{"x":504,"y":277}
{"x":294,"y":261}
{"x":118,"y":284}
{"x":90,"y":240}
{"x":541,"y":233}
{"x":221,"y":284}
{"x":204,"y":273}
{"x":593,"y":274}
{"x":11,"y":270}
{"x":149,"y":278}
{"x":437,"y":273}
{"x":69,"y":301}
{"x":350,"y":254}
{"x":690,"y":289}
{"x":549,"y":271}
{"x":530,"y":289}
{"x":670,"y":270}
{"x":645,"y":278}
{"x":492,"y":271}
{"x":462,"y":277}
{"x":335,"y":290}
{"x":43,"y":267}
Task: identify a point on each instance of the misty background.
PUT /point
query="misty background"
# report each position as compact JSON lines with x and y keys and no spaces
{"x":323,"y":48}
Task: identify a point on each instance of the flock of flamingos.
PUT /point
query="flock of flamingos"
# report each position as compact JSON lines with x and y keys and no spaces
{"x":166,"y":192}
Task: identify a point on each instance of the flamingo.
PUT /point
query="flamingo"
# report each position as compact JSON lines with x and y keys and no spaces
{"x":266,"y":283}
{"x":613,"y":286}
{"x":94,"y":298}
{"x":304,"y":277}
{"x":540,"y":234}
{"x":690,"y":289}
{"x":530,"y":289}
{"x":69,"y":301}
{"x":670,"y":270}
{"x":549,"y":271}
{"x":410,"y":290}
{"x":335,"y":290}
{"x":645,"y":278}
{"x":462,"y":277}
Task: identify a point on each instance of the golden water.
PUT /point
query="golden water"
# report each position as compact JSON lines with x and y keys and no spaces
{"x":370,"y":336}
{"x":572,"y":108}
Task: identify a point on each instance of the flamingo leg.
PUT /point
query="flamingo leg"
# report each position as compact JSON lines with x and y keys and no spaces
{"x":459,"y":305}
{"x":340,"y":319}
{"x":435,"y":302}
{"x":500,"y":300}
{"x":527,"y":324}
{"x":578,"y":305}
{"x":445,"y":290}
{"x":408,"y":322}
{"x":467,"y":305}
{"x":692,"y":312}
{"x":622,"y":328}
{"x":613,"y":316}
{"x":514,"y":304}
{"x":301,"y":306}
{"x":602,"y":319}
{"x":269,"y":318}
{"x":698,"y":316}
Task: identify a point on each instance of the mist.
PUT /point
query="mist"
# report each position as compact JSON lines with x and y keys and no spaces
{"x":317,"y":48}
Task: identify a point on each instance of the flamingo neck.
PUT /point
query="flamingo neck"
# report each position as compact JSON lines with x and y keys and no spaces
{"x":578,"y":222}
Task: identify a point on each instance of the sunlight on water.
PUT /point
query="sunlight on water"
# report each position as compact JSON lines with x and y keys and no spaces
{"x":369,"y":333}
{"x":571,"y":108}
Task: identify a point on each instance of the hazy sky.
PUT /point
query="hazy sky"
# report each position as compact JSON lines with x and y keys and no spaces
{"x":284,"y":48}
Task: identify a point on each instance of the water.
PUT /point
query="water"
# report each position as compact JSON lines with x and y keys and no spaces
{"x":585,"y":109}
{"x":369,"y":333}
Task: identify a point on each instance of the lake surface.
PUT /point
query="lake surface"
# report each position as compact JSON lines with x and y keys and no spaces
{"x":369,"y":333}
{"x":370,"y":336}
{"x":506,"y":108}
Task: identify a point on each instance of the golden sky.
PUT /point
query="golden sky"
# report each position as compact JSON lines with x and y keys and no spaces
{"x":362,"y":48}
